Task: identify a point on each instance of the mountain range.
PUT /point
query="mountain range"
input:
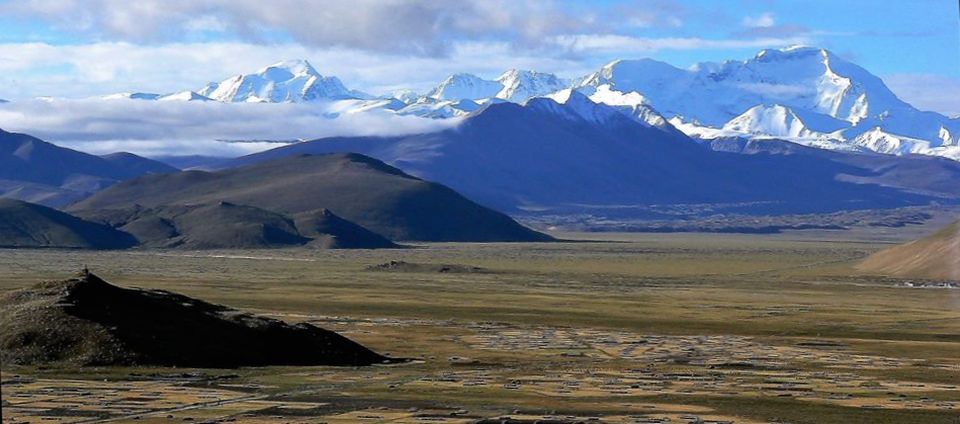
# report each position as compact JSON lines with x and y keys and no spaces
{"x":804,"y":95}
{"x":569,"y":154}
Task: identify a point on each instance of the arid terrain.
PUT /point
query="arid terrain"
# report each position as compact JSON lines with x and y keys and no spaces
{"x":641,"y":328}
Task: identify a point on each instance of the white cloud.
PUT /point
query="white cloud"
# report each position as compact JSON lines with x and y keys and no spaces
{"x":181,"y":128}
{"x":421,"y":27}
{"x":766,"y":20}
{"x":931,"y":92}
{"x":641,"y":45}
{"x":37,"y":69}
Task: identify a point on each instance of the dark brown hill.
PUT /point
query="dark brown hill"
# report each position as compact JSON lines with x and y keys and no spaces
{"x":226,"y":225}
{"x":87,"y":321}
{"x":358,"y":188}
{"x":24,"y":224}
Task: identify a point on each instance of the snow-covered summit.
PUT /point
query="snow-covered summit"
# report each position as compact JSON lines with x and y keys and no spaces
{"x":775,"y":120}
{"x":291,"y":81}
{"x":519,"y":85}
{"x":464,"y":86}
{"x":513,"y":86}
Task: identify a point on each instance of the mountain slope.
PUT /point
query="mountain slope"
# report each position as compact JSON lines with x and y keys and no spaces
{"x":360,"y":189}
{"x":936,"y":256}
{"x":575,"y":156}
{"x":40,"y":172}
{"x":138,"y":165}
{"x":917,"y":174}
{"x":87,"y":321}
{"x":25,"y":224}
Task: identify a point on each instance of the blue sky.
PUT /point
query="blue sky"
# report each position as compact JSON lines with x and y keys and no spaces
{"x":80,"y":48}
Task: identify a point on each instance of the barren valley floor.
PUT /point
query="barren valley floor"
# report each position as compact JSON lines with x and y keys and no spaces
{"x":643,"y":328}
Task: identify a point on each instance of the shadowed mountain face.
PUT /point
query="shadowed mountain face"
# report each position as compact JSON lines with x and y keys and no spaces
{"x":360,"y":189}
{"x":87,"y":321}
{"x":25,"y":224}
{"x":936,"y":256}
{"x":40,"y":172}
{"x":916,"y":174}
{"x":547,"y":157}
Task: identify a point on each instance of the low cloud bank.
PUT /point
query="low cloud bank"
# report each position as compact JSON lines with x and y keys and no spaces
{"x":154,"y":128}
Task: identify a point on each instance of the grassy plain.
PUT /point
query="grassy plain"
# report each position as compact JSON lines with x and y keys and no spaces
{"x":632,"y":328}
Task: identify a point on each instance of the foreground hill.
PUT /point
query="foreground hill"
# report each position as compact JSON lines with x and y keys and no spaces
{"x":573,"y":155}
{"x":936,"y":256}
{"x":25,"y":224}
{"x":40,"y":172}
{"x":363,"y":190}
{"x":87,"y":321}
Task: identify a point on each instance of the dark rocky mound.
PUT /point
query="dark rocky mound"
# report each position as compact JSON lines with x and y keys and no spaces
{"x":87,"y":321}
{"x":333,"y":232}
{"x":402,"y":266}
{"x":936,"y":256}
{"x":361,"y":189}
{"x":226,"y":225}
{"x":25,"y":224}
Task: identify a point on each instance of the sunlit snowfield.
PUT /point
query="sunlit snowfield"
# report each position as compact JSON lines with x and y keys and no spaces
{"x":638,"y":328}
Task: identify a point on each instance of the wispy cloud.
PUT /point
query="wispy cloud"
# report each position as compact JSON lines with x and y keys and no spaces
{"x":927,"y":91}
{"x":765,"y":20}
{"x":163,"y":128}
{"x":643,"y":45}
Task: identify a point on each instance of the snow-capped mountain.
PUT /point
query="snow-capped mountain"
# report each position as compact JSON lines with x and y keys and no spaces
{"x":290,"y":81}
{"x":429,"y":107}
{"x":776,"y":121}
{"x":464,"y":86}
{"x":404,"y":95}
{"x":513,"y":86}
{"x":632,"y":105}
{"x":806,"y":95}
{"x":569,"y":154}
{"x":796,"y":93}
{"x":519,"y":86}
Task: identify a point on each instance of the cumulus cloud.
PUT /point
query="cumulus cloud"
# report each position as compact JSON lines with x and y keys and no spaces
{"x":425,"y":27}
{"x":185,"y":128}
